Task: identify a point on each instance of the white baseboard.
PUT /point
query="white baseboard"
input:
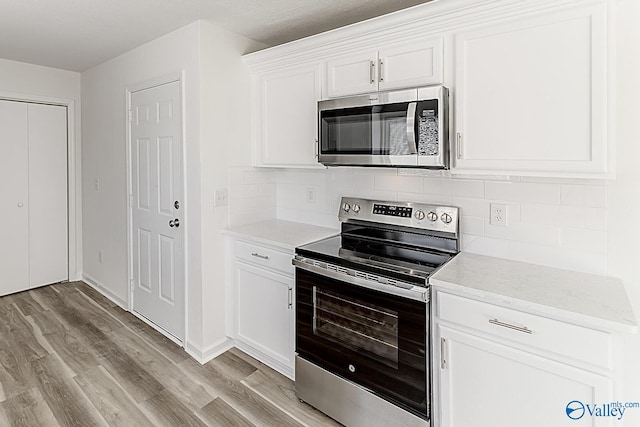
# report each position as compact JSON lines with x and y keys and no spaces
{"x":105,"y":291}
{"x":210,"y":352}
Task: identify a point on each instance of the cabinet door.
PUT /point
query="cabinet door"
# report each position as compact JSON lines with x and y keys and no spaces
{"x":352,"y":74}
{"x":410,"y":65}
{"x":530,"y":95}
{"x":285,"y":129}
{"x":265,"y":312}
{"x":486,"y":384}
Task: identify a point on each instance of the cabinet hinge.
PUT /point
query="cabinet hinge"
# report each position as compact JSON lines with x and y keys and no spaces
{"x":131,"y":282}
{"x":443,"y":358}
{"x":130,"y":200}
{"x":130,"y":116}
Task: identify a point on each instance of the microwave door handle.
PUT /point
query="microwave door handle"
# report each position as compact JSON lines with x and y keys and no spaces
{"x":411,"y":128}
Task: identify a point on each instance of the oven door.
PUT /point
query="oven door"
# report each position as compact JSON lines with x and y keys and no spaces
{"x":369,"y":337}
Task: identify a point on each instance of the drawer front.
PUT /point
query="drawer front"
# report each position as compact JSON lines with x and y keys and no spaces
{"x":575,"y":342}
{"x":265,"y":257}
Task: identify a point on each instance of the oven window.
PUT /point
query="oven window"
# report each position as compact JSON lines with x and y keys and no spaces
{"x":356,"y":324}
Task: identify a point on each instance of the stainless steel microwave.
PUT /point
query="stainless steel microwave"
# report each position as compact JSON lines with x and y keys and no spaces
{"x":408,"y":128}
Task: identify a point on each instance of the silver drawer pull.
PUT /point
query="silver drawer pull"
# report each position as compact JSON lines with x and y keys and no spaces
{"x":257,"y":255}
{"x":507,"y":325}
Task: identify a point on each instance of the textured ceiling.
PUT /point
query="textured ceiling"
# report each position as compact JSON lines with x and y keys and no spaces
{"x":79,"y":34}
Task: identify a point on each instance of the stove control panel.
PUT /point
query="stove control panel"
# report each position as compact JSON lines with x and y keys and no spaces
{"x":408,"y":214}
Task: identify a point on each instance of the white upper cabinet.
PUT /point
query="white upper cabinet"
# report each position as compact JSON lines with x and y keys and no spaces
{"x":284,"y":127}
{"x":530,"y":95}
{"x":407,"y":64}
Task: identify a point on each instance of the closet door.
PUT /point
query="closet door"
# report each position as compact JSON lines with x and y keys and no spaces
{"x":14,"y":203}
{"x":48,"y":219}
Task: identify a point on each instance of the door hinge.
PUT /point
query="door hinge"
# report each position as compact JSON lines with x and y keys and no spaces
{"x":131,"y":200}
{"x":131,"y":282}
{"x":130,"y":116}
{"x":443,"y":358}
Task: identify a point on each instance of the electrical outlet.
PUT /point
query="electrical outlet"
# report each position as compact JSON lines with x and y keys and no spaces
{"x":221,"y":197}
{"x":100,"y":257}
{"x":311,"y":194}
{"x":498,"y":215}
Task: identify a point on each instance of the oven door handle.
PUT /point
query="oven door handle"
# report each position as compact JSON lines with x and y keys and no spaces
{"x":413,"y":292}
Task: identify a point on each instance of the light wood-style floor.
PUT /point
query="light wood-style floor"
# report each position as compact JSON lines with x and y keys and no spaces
{"x":70,"y":357}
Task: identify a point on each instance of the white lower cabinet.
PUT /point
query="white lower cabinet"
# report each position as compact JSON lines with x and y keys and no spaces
{"x":264,"y":305}
{"x":499,"y":379}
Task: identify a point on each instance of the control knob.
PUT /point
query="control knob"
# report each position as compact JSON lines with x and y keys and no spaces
{"x":356,"y":208}
{"x":419,"y":215}
{"x":346,"y":207}
{"x":446,"y":218}
{"x":432,"y":216}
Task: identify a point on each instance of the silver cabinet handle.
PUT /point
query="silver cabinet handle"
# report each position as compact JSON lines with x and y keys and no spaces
{"x":443,"y":347}
{"x":459,"y":145}
{"x":380,"y":68}
{"x":372,"y":72}
{"x":411,"y":132}
{"x":290,"y":296}
{"x":257,"y":255}
{"x":522,"y":329}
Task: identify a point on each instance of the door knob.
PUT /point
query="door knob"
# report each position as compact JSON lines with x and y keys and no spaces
{"x":20,"y":205}
{"x":174,"y":223}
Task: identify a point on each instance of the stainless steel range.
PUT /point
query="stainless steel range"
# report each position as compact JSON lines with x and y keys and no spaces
{"x":362,"y":312}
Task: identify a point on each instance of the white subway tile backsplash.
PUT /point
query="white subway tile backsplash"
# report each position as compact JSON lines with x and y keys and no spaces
{"x":569,"y":259}
{"x":522,"y":191}
{"x":594,"y":196}
{"x":584,"y":240}
{"x":571,"y":216}
{"x":559,"y":223}
{"x":471,"y":207}
{"x":405,"y":184}
{"x":425,"y":198}
{"x":472,"y":225}
{"x":454,"y":187}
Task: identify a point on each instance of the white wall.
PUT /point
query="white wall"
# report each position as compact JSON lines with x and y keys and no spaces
{"x":28,"y":80}
{"x":216,"y":136}
{"x":104,"y":159}
{"x":225,"y":142}
{"x":624,"y":193}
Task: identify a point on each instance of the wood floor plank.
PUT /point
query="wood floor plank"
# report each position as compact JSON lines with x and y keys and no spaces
{"x":251,"y":405}
{"x":282,"y":394}
{"x":130,"y":375}
{"x":26,"y":304}
{"x":91,"y":313}
{"x":233,"y":366}
{"x":219,"y":413}
{"x":190,"y":391}
{"x":115,"y":405}
{"x":71,"y":348}
{"x":47,"y":322}
{"x":67,"y":402}
{"x":28,"y":409}
{"x":167,"y":410}
{"x":16,"y":375}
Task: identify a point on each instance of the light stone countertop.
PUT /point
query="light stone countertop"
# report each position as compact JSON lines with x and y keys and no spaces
{"x":585,"y":299}
{"x":284,"y":234}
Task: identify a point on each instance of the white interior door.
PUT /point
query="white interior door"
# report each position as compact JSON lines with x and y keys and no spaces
{"x":48,"y":204}
{"x":157,"y":206}
{"x":14,"y":192}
